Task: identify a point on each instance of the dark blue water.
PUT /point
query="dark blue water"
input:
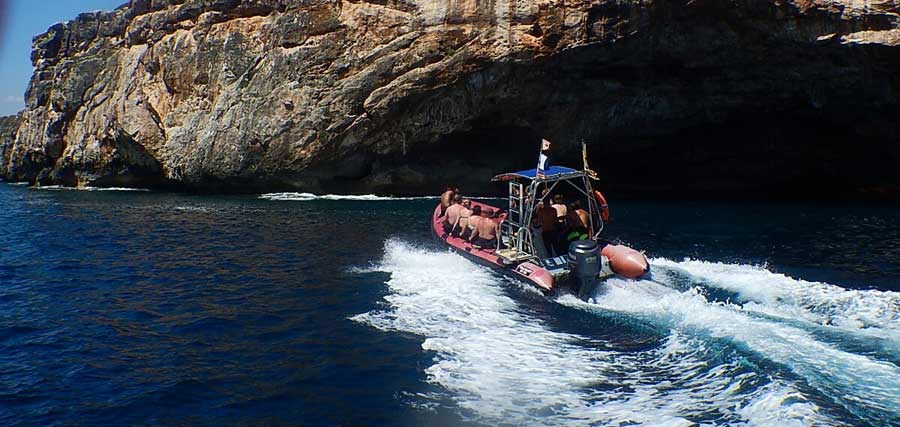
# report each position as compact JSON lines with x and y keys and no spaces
{"x":135,"y":308}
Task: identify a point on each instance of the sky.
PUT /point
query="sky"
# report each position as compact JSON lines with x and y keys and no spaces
{"x":22,"y":20}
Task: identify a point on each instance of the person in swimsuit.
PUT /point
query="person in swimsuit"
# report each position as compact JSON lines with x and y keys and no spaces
{"x":446,"y":200}
{"x":561,"y":211}
{"x":579,"y":222}
{"x":470,"y":223}
{"x":549,"y":228}
{"x":452,"y":214}
{"x":485,"y":233}
{"x":462,"y":218}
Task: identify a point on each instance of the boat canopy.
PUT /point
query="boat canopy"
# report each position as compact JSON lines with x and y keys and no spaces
{"x":550,"y":174}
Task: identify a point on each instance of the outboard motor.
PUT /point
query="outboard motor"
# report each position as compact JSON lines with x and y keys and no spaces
{"x":584,"y":265}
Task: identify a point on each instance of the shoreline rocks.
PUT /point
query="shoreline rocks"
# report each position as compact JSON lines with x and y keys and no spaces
{"x":404,"y":97}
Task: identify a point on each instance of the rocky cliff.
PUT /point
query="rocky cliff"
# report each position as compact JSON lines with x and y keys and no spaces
{"x":402,"y":96}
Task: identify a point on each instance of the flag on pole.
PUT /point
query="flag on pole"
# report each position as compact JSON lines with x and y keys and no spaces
{"x":543,"y":158}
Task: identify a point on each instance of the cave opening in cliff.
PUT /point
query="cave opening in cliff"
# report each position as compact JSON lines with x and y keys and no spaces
{"x":761,"y":155}
{"x":673,"y":99}
{"x":658,"y":127}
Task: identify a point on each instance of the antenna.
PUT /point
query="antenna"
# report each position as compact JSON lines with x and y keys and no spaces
{"x":587,"y":168}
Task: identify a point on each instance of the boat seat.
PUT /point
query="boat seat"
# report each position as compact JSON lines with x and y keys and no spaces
{"x":511,"y":256}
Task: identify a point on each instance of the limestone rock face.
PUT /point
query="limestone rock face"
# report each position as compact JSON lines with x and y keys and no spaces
{"x":8,"y":126}
{"x":404,"y":95}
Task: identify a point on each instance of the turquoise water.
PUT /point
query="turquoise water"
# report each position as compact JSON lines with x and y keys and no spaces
{"x":138,"y":308}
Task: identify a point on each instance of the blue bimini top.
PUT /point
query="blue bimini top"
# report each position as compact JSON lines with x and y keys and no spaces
{"x":550,"y":173}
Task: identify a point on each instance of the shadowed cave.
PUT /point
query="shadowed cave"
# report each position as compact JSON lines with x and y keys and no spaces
{"x":757,"y":156}
{"x":660,"y":127}
{"x":695,"y":99}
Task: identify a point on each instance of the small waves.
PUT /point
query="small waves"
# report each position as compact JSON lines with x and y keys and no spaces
{"x":870,"y":389}
{"x":63,"y":188}
{"x":306,"y":197}
{"x":871,"y":312}
{"x":500,"y":364}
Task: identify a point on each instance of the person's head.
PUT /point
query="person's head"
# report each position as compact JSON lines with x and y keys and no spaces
{"x":449,"y":188}
{"x":476,"y":210}
{"x":466,"y":203}
{"x":576,"y":204}
{"x":558,"y":199}
{"x":487,"y":212}
{"x":457,"y":198}
{"x":456,"y":190}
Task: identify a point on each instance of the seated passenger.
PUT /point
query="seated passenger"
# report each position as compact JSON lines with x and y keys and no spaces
{"x":485,"y":233}
{"x":452,"y":214}
{"x":461,"y":218}
{"x":446,"y":200}
{"x":579,"y":222}
{"x":468,"y":224}
{"x":561,"y":211}
{"x":550,"y":230}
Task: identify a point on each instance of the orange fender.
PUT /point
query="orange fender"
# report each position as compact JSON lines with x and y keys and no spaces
{"x":625,"y":261}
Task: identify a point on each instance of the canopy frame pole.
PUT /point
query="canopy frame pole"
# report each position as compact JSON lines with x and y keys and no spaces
{"x":592,"y":203}
{"x":586,"y":194}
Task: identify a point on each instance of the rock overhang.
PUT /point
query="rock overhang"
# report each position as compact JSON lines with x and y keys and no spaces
{"x":360,"y":96}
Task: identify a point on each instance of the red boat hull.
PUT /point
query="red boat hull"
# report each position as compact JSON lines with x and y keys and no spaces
{"x":528,"y":271}
{"x":623,"y":261}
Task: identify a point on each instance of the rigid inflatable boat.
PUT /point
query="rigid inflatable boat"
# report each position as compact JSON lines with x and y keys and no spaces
{"x":520,"y":252}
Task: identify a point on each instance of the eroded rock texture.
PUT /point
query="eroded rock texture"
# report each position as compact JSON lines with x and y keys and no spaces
{"x":403,"y":96}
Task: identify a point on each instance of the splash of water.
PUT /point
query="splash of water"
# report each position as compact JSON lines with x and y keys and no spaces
{"x":872,"y":312}
{"x":868,"y":388}
{"x":60,"y":187}
{"x":500,"y":364}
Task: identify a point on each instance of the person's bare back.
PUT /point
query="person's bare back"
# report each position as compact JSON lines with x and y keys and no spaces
{"x":560,"y":206}
{"x":578,"y":218}
{"x":452,"y":214}
{"x":472,"y":222}
{"x":464,"y":216}
{"x":447,"y":199}
{"x":548,"y":216}
{"x":583,"y":217}
{"x":486,"y":229}
{"x":463,"y":228}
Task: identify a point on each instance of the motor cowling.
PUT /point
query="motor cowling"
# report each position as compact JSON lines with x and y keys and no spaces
{"x":584,"y":266}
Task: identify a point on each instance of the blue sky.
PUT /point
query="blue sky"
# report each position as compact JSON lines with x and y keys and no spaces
{"x":24,"y":20}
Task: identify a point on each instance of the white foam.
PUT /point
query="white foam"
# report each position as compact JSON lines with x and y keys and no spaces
{"x":873,"y":312}
{"x":780,"y":406}
{"x":501,"y":365}
{"x":60,"y":187}
{"x":305,"y":197}
{"x":859,"y":382}
{"x":192,"y":208}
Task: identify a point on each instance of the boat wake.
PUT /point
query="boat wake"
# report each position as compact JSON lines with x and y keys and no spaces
{"x":62,"y":188}
{"x":870,"y":312}
{"x":711,"y":361}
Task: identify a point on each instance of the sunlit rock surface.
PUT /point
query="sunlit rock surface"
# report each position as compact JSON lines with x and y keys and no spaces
{"x":402,"y":97}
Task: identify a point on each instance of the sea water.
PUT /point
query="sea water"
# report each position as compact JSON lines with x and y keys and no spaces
{"x":142,"y":308}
